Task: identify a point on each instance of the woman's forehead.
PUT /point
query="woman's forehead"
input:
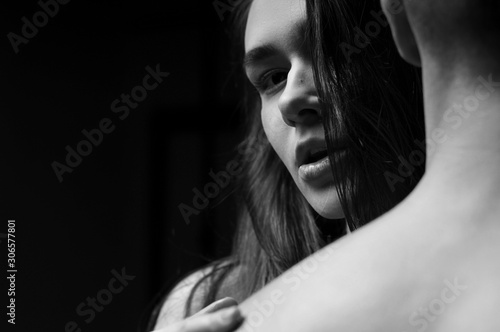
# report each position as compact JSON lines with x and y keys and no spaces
{"x":274,"y":20}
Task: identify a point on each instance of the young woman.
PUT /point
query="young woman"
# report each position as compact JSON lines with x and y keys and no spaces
{"x":313,"y":162}
{"x":431,"y":263}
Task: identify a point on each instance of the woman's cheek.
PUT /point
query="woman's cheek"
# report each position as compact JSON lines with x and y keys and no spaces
{"x":277,"y":132}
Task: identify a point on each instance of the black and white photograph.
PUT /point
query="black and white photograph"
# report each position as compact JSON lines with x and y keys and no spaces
{"x":250,"y":166}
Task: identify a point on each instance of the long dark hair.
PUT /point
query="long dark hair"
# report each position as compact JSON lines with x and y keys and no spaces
{"x":374,"y":100}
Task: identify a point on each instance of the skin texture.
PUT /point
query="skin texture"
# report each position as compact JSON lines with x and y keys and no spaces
{"x":431,"y":263}
{"x":291,"y":113}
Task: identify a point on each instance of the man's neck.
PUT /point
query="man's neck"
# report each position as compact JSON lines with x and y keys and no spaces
{"x":462,"y":111}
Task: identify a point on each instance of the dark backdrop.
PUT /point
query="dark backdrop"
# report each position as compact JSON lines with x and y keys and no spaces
{"x":117,"y":211}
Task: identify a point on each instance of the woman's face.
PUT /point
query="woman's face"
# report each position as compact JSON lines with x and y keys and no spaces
{"x":278,"y":63}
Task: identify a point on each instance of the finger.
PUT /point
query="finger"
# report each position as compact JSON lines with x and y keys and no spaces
{"x":217,"y":305}
{"x":224,"y":320}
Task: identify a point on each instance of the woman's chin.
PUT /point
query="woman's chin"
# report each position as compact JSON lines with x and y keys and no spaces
{"x":323,"y":198}
{"x":327,"y":207}
{"x":330,"y":212}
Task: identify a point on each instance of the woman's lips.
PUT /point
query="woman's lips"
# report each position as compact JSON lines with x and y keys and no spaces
{"x":316,"y":170}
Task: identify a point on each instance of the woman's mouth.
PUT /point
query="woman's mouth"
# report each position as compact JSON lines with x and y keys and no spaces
{"x":316,"y":166}
{"x":313,"y":162}
{"x":315,"y":170}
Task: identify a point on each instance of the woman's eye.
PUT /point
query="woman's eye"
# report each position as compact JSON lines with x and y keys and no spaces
{"x":270,"y":82}
{"x":278,"y":78}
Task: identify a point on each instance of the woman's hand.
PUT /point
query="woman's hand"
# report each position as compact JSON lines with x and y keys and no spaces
{"x":220,"y":316}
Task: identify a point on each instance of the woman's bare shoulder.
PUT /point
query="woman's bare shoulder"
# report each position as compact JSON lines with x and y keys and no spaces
{"x":174,"y":306}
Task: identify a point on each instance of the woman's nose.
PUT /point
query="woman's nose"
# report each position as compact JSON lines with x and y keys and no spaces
{"x":298,"y":103}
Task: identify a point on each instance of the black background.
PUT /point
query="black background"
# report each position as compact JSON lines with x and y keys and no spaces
{"x":119,"y":208}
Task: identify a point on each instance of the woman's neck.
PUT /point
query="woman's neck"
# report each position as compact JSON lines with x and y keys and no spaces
{"x":462,"y":111}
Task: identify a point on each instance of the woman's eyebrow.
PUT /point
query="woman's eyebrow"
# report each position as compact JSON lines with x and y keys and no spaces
{"x":258,"y":54}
